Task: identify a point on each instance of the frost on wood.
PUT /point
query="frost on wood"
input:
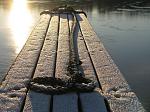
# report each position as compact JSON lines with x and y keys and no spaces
{"x":14,"y":87}
{"x":114,"y":86}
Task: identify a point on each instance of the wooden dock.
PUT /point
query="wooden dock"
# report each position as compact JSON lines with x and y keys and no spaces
{"x":46,"y":53}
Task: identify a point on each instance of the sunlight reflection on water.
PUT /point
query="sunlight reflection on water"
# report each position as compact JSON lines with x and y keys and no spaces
{"x":19,"y":21}
{"x":123,"y":30}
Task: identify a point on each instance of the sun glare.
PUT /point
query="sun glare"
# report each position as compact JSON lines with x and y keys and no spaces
{"x":20,"y":21}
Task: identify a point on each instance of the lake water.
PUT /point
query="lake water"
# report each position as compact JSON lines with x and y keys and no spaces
{"x":123,"y":27}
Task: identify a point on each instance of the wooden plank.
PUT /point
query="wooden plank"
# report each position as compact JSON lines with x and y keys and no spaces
{"x":89,"y":101}
{"x":111,"y":79}
{"x":125,"y":102}
{"x":92,"y":102}
{"x":13,"y":89}
{"x":65,"y":102}
{"x":38,"y":102}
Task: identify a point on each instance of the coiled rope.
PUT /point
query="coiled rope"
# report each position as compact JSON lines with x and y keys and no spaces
{"x":77,"y":82}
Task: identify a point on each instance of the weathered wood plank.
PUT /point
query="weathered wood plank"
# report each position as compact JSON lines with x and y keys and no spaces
{"x":13,"y":89}
{"x":92,"y":102}
{"x":125,"y":102}
{"x":38,"y":102}
{"x":65,"y":102}
{"x":89,"y":101}
{"x":111,"y":79}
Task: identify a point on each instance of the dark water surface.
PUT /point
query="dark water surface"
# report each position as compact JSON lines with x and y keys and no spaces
{"x":124,"y":28}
